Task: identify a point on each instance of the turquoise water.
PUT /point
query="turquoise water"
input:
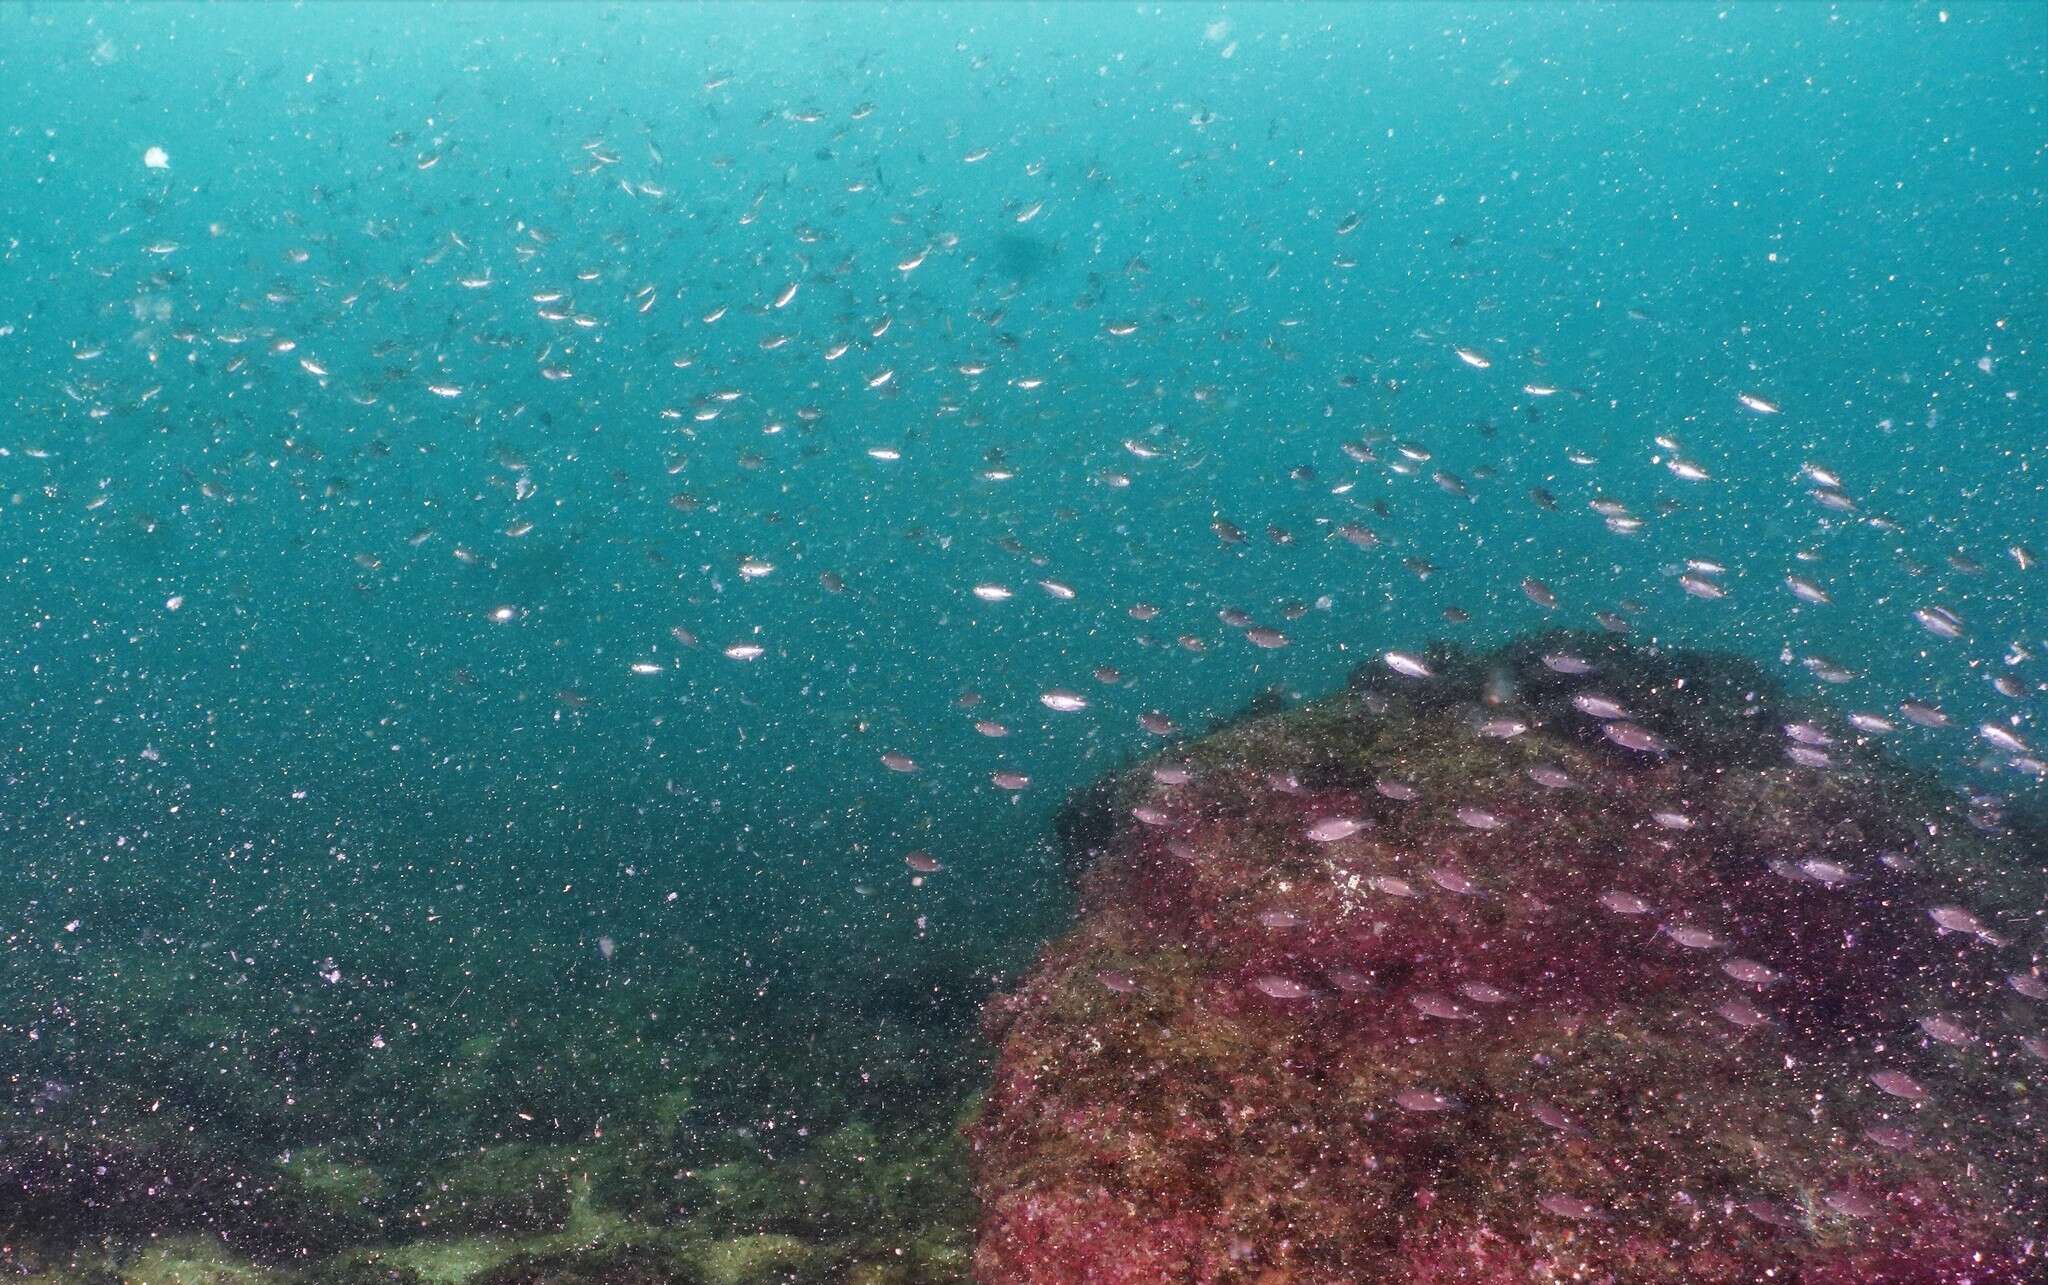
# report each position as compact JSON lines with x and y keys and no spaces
{"x":446,"y":367}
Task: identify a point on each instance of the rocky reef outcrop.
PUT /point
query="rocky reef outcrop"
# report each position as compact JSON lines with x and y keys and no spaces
{"x":1575,"y":961}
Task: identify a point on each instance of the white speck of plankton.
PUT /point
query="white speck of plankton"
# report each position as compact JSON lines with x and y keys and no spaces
{"x":156,"y":158}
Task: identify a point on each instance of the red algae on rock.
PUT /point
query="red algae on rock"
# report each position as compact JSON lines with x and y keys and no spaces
{"x":1677,"y":1011}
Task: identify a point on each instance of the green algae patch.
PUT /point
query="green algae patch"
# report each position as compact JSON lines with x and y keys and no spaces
{"x":196,"y":1260}
{"x":758,"y":1260}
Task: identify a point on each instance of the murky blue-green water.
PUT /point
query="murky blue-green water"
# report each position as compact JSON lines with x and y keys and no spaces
{"x":392,"y":460}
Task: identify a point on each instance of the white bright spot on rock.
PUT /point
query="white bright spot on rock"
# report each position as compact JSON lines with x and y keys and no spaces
{"x":156,"y":158}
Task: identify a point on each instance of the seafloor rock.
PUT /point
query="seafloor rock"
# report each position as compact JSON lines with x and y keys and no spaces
{"x":593,"y":1265}
{"x":120,"y":1173}
{"x":1511,"y":973}
{"x":515,"y":1189}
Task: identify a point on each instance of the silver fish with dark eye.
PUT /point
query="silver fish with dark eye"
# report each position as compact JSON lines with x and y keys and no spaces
{"x":1630,"y":736}
{"x":1564,"y":662}
{"x":1807,"y":591}
{"x":1595,"y":705}
{"x":1939,"y":621}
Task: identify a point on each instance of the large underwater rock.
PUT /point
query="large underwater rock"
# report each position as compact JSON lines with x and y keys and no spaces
{"x":1508,"y":973}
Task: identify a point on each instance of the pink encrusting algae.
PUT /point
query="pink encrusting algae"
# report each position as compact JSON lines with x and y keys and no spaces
{"x":1678,"y":1014}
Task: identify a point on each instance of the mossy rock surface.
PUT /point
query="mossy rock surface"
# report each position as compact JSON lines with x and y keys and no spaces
{"x":1622,"y":966}
{"x":513,"y":1189}
{"x":765,"y":1259}
{"x":196,"y":1260}
{"x":613,"y":1265}
{"x":366,"y":1268}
